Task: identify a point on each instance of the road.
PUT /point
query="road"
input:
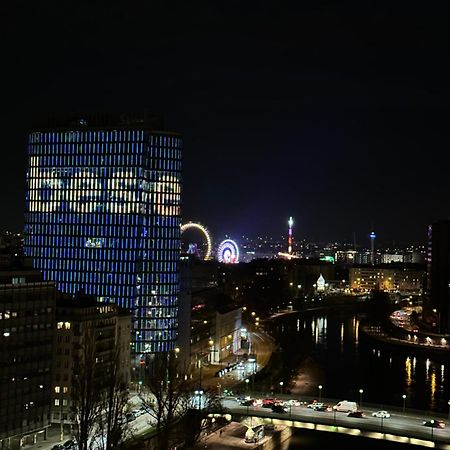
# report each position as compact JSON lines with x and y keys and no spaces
{"x":400,"y":424}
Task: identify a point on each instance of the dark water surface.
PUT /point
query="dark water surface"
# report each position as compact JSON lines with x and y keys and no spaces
{"x":347,"y":363}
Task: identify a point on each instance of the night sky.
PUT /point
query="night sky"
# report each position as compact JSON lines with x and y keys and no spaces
{"x":336,"y":113}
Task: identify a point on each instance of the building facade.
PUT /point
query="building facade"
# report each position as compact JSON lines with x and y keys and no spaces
{"x":438,"y":275}
{"x":396,"y":279}
{"x":103,"y":216}
{"x":27,"y":313}
{"x":78,"y":322}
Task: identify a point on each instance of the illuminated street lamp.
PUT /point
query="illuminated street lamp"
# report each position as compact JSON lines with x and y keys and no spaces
{"x":246,"y":384}
{"x":199,"y":394}
{"x":281,"y":387}
{"x":361,"y":391}
{"x":404,"y":402}
{"x":320,"y":392}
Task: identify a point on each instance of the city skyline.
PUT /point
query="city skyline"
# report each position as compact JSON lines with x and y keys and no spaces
{"x":336,"y":116}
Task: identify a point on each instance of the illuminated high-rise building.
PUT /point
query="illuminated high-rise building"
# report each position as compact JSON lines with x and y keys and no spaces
{"x":103,"y":216}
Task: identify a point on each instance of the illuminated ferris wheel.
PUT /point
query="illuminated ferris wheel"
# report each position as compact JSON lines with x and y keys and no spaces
{"x":195,"y":248}
{"x":228,"y":252}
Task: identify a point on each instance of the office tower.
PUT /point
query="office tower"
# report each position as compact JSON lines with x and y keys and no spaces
{"x":438,"y":274}
{"x":27,"y":313}
{"x":103,"y":216}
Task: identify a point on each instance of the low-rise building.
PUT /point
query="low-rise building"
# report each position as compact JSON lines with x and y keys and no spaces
{"x":402,"y":279}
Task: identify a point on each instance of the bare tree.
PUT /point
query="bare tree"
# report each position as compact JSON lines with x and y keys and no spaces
{"x":167,"y":394}
{"x":85,"y":390}
{"x":203,"y":417}
{"x":111,"y":427}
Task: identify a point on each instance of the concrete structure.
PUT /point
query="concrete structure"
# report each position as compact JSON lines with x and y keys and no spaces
{"x":103,"y":215}
{"x":81,"y":322}
{"x":27,"y":315}
{"x":400,"y":279}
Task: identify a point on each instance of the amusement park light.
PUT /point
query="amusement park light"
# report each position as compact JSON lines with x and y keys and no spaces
{"x":198,"y":226}
{"x":228,"y":252}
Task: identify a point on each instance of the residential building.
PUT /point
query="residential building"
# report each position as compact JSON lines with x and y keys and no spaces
{"x":27,"y":317}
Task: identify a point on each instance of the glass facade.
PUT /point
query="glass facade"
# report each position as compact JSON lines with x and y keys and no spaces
{"x":103,"y":218}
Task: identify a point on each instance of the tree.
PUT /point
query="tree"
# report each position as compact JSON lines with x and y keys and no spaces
{"x":85,"y":390}
{"x":111,"y":427}
{"x":199,"y":420}
{"x":167,"y":394}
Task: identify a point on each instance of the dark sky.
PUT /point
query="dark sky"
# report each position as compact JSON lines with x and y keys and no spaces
{"x":336,"y":113}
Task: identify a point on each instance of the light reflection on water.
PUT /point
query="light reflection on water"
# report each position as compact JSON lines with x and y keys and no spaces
{"x":349,"y":363}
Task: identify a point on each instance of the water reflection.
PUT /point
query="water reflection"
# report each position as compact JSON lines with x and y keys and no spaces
{"x":349,"y":361}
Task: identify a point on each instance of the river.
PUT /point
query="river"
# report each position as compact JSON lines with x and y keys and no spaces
{"x":334,"y":355}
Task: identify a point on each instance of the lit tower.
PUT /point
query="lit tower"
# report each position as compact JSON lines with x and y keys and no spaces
{"x":372,"y":236}
{"x":290,"y":237}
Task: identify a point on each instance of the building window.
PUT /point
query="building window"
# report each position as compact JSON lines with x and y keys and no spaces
{"x":56,"y":401}
{"x":57,"y":389}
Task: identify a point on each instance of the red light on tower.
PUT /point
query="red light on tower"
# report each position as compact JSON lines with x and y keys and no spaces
{"x":290,"y":236}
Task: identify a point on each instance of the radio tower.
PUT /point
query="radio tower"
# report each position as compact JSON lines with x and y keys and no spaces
{"x":290,"y":237}
{"x":372,"y":246}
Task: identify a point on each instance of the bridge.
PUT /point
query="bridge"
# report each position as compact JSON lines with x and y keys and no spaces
{"x":404,"y":427}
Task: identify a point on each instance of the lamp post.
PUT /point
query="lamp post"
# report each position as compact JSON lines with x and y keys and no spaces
{"x":448,"y":403}
{"x":320,"y":392}
{"x":246,"y":384}
{"x":432,"y":428}
{"x":281,"y":388}
{"x":199,"y":394}
{"x":382,"y":418}
{"x":404,"y":402}
{"x":361,"y":391}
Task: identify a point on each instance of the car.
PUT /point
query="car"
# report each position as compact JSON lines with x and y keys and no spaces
{"x":250,"y":402}
{"x":323,"y":407}
{"x":434,"y":423}
{"x":257,"y":402}
{"x":314,"y":404}
{"x":293,"y":402}
{"x":129,"y":417}
{"x":268,"y":402}
{"x":58,"y":447}
{"x":357,"y":414}
{"x":276,"y":408}
{"x":381,"y":414}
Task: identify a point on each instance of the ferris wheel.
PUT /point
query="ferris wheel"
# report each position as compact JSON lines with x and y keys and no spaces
{"x":228,"y":252}
{"x":193,"y":247}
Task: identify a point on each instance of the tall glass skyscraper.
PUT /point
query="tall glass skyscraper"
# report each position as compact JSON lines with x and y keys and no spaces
{"x":103,"y":216}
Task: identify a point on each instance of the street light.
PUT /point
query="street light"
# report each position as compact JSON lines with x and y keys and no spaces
{"x":320,"y":392}
{"x":404,"y":402}
{"x":246,"y":384}
{"x":432,"y":428}
{"x":199,"y":394}
{"x":281,"y":387}
{"x":361,"y":391}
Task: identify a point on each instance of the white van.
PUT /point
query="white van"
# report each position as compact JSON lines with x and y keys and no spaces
{"x":346,"y":406}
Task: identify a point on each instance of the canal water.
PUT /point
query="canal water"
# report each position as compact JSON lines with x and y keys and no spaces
{"x":335,"y":355}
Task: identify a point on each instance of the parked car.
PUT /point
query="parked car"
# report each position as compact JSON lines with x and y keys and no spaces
{"x":381,"y":414}
{"x":434,"y":423}
{"x":357,"y":414}
{"x":58,"y":447}
{"x":268,"y":402}
{"x":70,"y":444}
